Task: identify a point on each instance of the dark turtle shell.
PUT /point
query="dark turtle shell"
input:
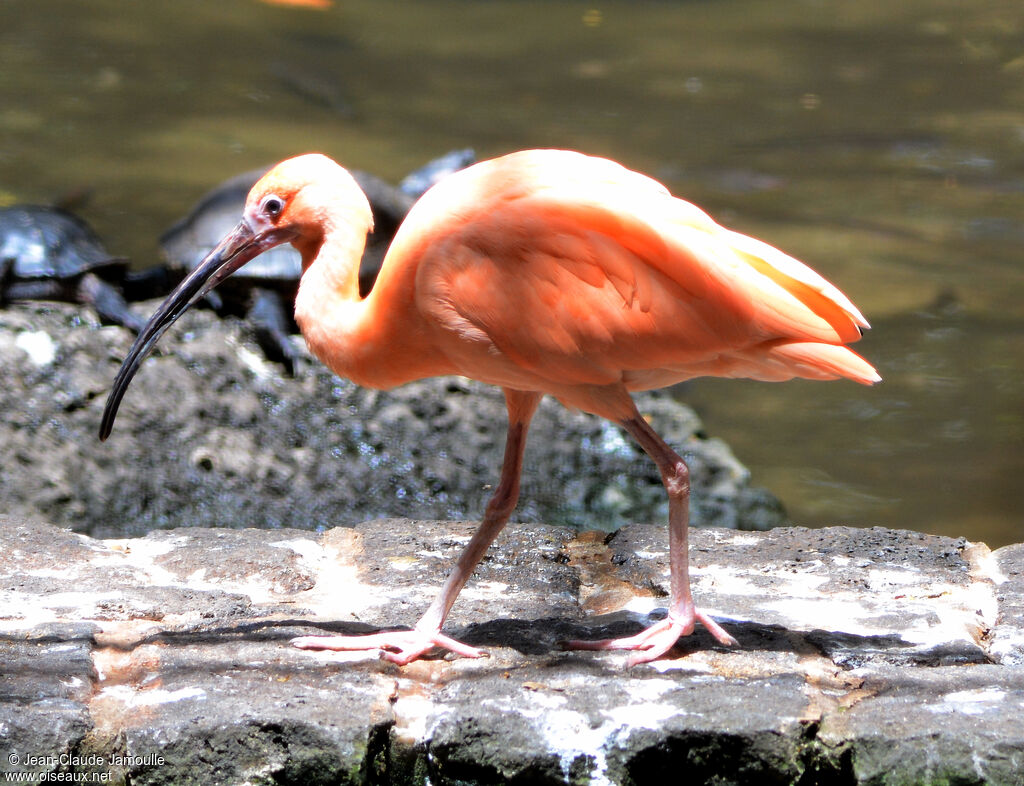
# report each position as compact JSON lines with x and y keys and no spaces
{"x":188,"y":241}
{"x":48,"y":243}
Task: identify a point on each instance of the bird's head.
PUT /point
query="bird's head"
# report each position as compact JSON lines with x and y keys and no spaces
{"x":297,"y":202}
{"x":301,"y":199}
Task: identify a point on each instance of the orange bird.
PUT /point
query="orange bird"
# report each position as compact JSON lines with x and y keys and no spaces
{"x":544,"y":271}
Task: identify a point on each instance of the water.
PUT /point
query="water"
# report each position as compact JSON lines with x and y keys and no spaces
{"x":881,"y":142}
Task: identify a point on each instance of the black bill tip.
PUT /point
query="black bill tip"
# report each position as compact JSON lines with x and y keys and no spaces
{"x":237,"y":248}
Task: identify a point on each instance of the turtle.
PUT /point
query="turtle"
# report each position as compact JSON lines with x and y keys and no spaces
{"x":48,"y":253}
{"x":263,"y":290}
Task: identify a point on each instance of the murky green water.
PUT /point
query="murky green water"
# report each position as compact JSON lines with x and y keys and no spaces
{"x":881,"y":142}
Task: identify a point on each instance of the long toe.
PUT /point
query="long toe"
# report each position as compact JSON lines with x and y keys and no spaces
{"x":625,"y":643}
{"x":656,"y":640}
{"x":716,"y":630}
{"x":397,"y":646}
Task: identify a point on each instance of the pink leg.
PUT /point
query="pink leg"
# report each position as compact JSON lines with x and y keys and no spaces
{"x":658,"y":639}
{"x":404,"y":646}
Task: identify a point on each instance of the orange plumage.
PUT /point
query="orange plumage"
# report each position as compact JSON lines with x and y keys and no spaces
{"x":544,"y":272}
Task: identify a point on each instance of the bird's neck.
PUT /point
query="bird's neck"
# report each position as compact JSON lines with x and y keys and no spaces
{"x":327,"y":305}
{"x":332,"y":260}
{"x":378,"y":341}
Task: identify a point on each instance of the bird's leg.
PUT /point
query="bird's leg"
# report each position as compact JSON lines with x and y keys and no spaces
{"x":108,"y":302}
{"x":6,"y":266}
{"x":658,"y":639}
{"x":269,"y":318}
{"x":402,"y":646}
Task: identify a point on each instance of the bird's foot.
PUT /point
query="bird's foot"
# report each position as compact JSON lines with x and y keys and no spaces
{"x":397,"y":646}
{"x":659,"y":638}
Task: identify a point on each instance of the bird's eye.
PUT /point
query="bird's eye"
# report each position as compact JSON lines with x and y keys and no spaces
{"x":272,"y":206}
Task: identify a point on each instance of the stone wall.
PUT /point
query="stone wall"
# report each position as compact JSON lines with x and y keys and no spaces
{"x":212,"y":434}
{"x":866,"y":657}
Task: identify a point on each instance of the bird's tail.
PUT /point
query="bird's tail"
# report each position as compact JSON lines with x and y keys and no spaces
{"x":814,"y":360}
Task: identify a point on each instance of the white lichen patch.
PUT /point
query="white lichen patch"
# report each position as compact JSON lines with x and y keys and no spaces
{"x":130,"y":697}
{"x":727,"y":580}
{"x":1008,"y":646}
{"x":403,"y":564}
{"x":38,"y":345}
{"x":144,"y":550}
{"x":741,"y":539}
{"x":413,"y":713}
{"x":971,"y":702}
{"x":337,"y":591}
{"x":431,"y":554}
{"x":824,"y":612}
{"x":574,"y":735}
{"x":887,"y":578}
{"x":308,"y":549}
{"x":641,"y":716}
{"x":643,"y":604}
{"x":485,"y":590}
{"x":26,"y":610}
{"x":259,"y":367}
{"x":49,"y":573}
{"x":141,"y":554}
{"x":899,"y":601}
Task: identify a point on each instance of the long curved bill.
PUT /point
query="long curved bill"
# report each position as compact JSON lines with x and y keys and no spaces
{"x":237,"y":248}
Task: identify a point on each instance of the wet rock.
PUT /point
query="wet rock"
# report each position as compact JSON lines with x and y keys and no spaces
{"x":866,"y":657}
{"x":1008,"y":637}
{"x":210,"y":434}
{"x":936,"y":725}
{"x":46,"y":679}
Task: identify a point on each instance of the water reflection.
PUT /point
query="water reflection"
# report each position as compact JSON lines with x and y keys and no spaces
{"x":935,"y":447}
{"x":881,"y":142}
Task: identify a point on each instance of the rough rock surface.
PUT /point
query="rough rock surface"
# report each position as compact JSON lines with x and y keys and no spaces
{"x":207,"y":421}
{"x":866,"y":657}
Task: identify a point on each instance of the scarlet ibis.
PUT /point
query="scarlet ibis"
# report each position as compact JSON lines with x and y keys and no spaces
{"x":543,"y":272}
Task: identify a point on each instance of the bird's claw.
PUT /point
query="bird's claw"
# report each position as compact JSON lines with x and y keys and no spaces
{"x":653,"y":642}
{"x":397,"y":646}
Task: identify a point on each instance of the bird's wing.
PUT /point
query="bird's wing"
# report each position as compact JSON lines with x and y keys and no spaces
{"x":587,"y":282}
